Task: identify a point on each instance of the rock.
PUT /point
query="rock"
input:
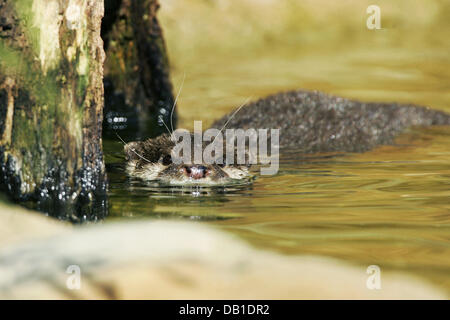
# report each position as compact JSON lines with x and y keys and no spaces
{"x":21,"y":225}
{"x":174,"y":260}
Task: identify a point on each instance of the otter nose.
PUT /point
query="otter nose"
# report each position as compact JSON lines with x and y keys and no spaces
{"x":196,"y":172}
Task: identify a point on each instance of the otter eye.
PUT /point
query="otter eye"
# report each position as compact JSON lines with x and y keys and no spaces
{"x":167,"y":160}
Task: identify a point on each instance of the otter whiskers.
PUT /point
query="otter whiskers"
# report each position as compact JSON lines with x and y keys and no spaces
{"x":172,"y":109}
{"x":232,"y":116}
{"x":124,"y":143}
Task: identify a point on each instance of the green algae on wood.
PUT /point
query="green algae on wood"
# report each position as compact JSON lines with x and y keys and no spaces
{"x":51,"y":102}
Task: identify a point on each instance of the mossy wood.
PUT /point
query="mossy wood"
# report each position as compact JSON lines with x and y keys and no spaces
{"x":137,"y":83}
{"x":51,"y":103}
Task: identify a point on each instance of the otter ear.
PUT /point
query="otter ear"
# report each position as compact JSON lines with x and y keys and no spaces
{"x":131,"y":150}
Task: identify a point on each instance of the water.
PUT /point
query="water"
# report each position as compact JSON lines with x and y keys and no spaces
{"x":389,"y":206}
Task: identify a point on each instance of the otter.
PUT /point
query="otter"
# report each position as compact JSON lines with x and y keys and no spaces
{"x":309,"y":122}
{"x":151,"y":160}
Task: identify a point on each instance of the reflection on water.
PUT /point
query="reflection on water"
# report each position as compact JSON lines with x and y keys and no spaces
{"x":134,"y":198}
{"x":389,"y":207}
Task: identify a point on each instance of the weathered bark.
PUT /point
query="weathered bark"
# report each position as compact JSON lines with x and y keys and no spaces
{"x":137,"y":82}
{"x":51,"y":102}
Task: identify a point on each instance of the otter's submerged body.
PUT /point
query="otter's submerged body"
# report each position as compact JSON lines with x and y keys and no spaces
{"x":309,"y":122}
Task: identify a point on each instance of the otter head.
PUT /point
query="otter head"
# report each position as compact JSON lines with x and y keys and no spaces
{"x":151,"y":160}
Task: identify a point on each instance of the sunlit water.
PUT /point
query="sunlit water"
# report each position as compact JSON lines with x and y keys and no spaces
{"x":389,"y":206}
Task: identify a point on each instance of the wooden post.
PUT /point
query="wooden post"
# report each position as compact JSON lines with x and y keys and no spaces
{"x":137,"y":81}
{"x":51,"y":103}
